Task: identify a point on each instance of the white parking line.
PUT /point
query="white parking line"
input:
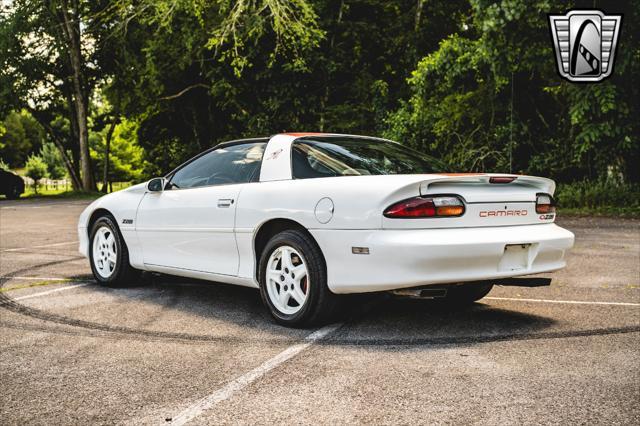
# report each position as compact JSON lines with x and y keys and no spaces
{"x":42,"y":246}
{"x":570,"y":302}
{"x":44,"y":293}
{"x":246,"y":379}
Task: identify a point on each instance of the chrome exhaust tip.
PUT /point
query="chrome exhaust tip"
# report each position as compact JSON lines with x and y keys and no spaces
{"x":421,"y":293}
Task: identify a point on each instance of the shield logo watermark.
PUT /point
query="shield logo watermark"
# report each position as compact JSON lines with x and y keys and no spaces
{"x":585,"y":44}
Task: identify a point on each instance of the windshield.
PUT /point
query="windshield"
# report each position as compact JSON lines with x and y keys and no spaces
{"x":354,"y":156}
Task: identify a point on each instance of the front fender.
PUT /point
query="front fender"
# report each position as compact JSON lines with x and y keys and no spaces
{"x":123,"y":206}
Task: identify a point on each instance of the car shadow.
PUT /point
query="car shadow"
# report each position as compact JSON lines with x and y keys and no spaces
{"x":377,"y":320}
{"x":403,"y":322}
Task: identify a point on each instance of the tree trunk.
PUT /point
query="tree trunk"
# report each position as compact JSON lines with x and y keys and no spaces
{"x":67,"y":90}
{"x":419,"y":8}
{"x":73,"y":120}
{"x":72,"y":31}
{"x":105,"y":170}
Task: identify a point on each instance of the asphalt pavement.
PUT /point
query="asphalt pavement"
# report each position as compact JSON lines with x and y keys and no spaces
{"x":175,"y":351}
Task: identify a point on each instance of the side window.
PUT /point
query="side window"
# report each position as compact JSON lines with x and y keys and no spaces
{"x":307,"y":163}
{"x":228,"y":165}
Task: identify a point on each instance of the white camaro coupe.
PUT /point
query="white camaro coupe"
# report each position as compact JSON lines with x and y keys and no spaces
{"x":306,"y":217}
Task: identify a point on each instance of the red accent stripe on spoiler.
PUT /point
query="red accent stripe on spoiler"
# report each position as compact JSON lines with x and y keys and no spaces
{"x":462,"y":174}
{"x":298,"y":135}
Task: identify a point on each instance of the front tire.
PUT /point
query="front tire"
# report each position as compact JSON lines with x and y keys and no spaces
{"x":293,"y":280}
{"x":109,"y":256}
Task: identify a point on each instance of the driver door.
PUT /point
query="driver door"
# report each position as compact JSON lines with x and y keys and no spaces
{"x":190,"y":225}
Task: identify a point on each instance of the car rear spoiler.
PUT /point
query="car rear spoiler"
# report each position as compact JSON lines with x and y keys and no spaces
{"x":540,"y":184}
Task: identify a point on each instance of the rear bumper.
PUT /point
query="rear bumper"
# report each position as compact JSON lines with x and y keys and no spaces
{"x":409,"y":258}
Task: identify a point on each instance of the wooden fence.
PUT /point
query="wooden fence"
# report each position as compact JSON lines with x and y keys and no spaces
{"x":65,"y":184}
{"x":50,"y":184}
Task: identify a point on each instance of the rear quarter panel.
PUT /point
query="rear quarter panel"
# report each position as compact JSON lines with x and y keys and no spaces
{"x":358,"y":202}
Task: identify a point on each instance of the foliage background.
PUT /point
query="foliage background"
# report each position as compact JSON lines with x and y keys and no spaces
{"x":472,"y":82}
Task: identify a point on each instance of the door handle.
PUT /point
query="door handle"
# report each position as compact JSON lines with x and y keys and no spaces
{"x":225,"y":202}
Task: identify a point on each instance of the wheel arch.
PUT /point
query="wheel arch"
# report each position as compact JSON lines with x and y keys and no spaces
{"x":97,"y":214}
{"x":270,"y":228}
{"x":102,"y":212}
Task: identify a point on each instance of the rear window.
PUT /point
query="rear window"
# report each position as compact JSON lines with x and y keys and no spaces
{"x":352,"y":156}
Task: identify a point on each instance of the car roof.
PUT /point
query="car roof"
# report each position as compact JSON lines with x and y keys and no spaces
{"x":240,"y":142}
{"x":8,"y":172}
{"x":323,"y":136}
{"x":297,"y":135}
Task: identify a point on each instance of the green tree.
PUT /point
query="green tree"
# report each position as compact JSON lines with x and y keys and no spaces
{"x":125,"y":155}
{"x":48,"y":54}
{"x":36,"y":169}
{"x":175,"y":66}
{"x":22,"y":135}
{"x":3,"y":130}
{"x":471,"y":81}
{"x":489,"y":98}
{"x":52,"y":158}
{"x":188,"y":89}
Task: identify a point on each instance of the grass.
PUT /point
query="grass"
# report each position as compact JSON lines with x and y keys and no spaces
{"x":600,"y":198}
{"x":60,"y":194}
{"x":36,"y":284}
{"x":67,"y":192}
{"x":621,"y":212}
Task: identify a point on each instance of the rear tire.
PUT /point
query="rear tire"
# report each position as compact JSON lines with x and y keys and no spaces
{"x":109,"y":256}
{"x":466,"y":294}
{"x":300,"y":300}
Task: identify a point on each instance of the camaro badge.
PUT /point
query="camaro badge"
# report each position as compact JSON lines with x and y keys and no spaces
{"x":585,"y":43}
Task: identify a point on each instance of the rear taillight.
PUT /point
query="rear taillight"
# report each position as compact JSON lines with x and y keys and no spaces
{"x":419,"y":207}
{"x":545,"y":204}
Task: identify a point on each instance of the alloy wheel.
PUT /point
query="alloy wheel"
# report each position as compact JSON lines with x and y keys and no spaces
{"x":105,"y":252}
{"x":287,"y":280}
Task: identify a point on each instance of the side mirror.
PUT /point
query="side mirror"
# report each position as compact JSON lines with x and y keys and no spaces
{"x":156,"y":184}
